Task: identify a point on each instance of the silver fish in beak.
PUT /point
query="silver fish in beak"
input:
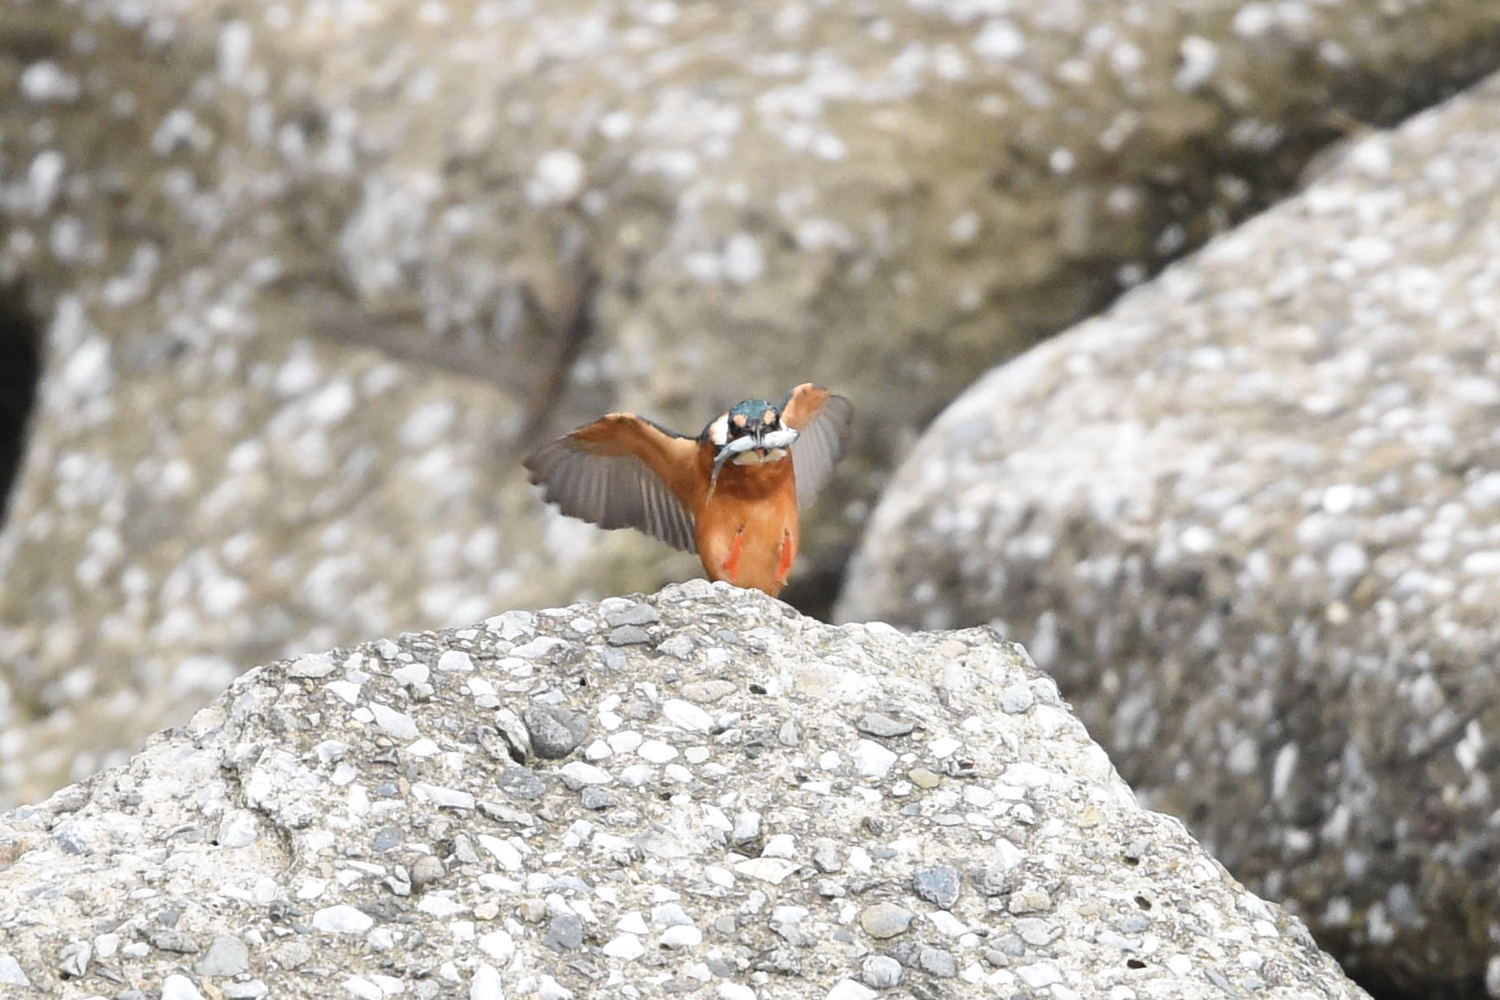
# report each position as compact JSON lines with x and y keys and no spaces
{"x":750,"y":442}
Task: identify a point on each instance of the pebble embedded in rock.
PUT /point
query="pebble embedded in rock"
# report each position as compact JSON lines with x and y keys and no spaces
{"x":937,"y":885}
{"x":1016,"y":698}
{"x":315,"y":666}
{"x":226,"y":956}
{"x":179,"y":987}
{"x":564,"y":932}
{"x":522,"y":783}
{"x":73,"y":960}
{"x":924,"y":778}
{"x":686,"y":715}
{"x":555,"y":732}
{"x":628,"y":635}
{"x":826,"y":857}
{"x":938,"y":962}
{"x":848,"y":989}
{"x":171,"y":939}
{"x":636,"y":614}
{"x":596,"y":798}
{"x":1030,"y":900}
{"x":426,"y":870}
{"x":880,"y":972}
{"x":681,"y":936}
{"x":486,"y":984}
{"x":393,"y":723}
{"x":342,"y":919}
{"x":872,"y":760}
{"x":879,"y":724}
{"x":885,"y":920}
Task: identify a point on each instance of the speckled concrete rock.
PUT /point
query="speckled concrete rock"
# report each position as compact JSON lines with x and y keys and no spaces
{"x":1250,"y":520}
{"x":311,"y":272}
{"x":368,"y":823}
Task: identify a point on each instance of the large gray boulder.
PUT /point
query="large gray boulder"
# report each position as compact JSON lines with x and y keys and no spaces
{"x":697,"y":792}
{"x":1250,"y":521}
{"x":313,"y":276}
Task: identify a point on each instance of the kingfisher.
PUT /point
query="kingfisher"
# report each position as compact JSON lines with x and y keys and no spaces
{"x":732,"y":494}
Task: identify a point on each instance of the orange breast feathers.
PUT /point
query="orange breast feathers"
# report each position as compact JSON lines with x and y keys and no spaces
{"x":747,"y":530}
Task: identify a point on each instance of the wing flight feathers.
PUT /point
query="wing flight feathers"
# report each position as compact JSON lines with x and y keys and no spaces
{"x":622,"y":472}
{"x":823,"y":421}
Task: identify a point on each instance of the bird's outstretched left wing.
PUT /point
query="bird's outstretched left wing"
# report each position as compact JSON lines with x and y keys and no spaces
{"x":622,"y":472}
{"x":822,"y":421}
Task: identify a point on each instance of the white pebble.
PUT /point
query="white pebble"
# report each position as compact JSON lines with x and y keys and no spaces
{"x":179,"y":987}
{"x":626,"y":946}
{"x":873,"y":760}
{"x":486,"y":984}
{"x":681,"y":936}
{"x":342,"y":919}
{"x":394,"y":723}
{"x":686,"y":715}
{"x":657,"y":752}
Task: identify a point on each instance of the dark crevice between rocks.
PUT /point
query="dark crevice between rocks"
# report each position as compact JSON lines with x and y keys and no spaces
{"x":20,"y":369}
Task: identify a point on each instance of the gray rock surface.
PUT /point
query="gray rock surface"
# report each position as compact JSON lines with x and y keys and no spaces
{"x":127,"y":881}
{"x":1250,"y":520}
{"x":313,"y":275}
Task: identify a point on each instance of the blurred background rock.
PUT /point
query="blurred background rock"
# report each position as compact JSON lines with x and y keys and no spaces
{"x":295,"y":285}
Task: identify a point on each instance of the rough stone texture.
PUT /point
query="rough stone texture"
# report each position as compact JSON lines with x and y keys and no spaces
{"x":1250,"y":520}
{"x":313,"y":274}
{"x":126,"y":881}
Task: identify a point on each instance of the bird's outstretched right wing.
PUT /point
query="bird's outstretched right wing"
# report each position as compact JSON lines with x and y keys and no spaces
{"x":622,"y":472}
{"x":822,"y":421}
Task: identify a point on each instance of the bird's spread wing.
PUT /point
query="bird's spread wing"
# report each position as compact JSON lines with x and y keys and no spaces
{"x":822,"y":421}
{"x":622,"y":472}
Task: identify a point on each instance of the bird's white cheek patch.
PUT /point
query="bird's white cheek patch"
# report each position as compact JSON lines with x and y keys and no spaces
{"x":718,"y":431}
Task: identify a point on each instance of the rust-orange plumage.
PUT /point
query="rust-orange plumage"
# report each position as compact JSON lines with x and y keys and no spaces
{"x":732,"y":494}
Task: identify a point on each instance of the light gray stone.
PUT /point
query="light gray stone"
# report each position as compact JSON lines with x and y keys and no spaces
{"x":537,"y":901}
{"x":1248,"y":520}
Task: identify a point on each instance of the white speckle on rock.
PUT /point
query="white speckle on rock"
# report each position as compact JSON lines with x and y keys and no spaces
{"x":444,"y":798}
{"x":686,"y":715}
{"x":45,"y":82}
{"x":558,"y":178}
{"x":394,"y":723}
{"x":11,"y":973}
{"x":626,"y":946}
{"x":235,"y":40}
{"x":772,"y":870}
{"x":455,"y":659}
{"x":412,"y":674}
{"x":735,"y":991}
{"x":999,"y":39}
{"x":498,"y":945}
{"x":238,"y":828}
{"x":681,"y":936}
{"x":1198,"y":61}
{"x":849,"y":989}
{"x":781,"y":845}
{"x":744,"y":263}
{"x":657,"y":752}
{"x":363,"y":988}
{"x":342,"y":919}
{"x":486,"y":984}
{"x":577,"y":773}
{"x":872,"y":760}
{"x":314,"y":666}
{"x":179,"y":987}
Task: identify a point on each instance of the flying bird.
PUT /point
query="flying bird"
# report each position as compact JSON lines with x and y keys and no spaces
{"x":731,"y":494}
